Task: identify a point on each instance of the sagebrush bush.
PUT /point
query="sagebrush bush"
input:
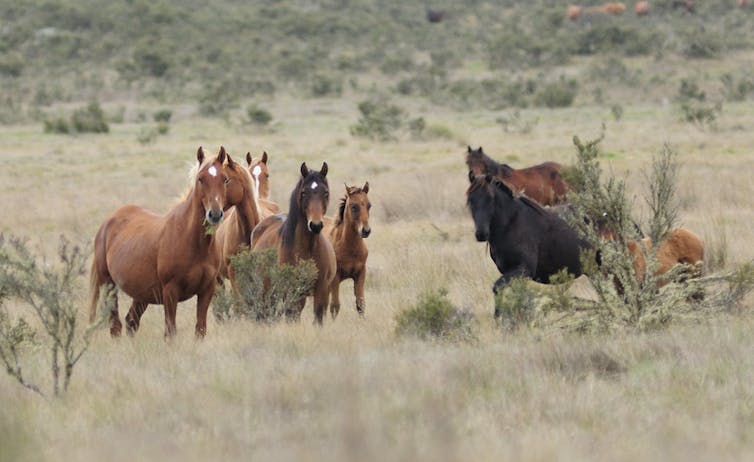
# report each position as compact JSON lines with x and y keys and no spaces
{"x":265,"y":291}
{"x":89,"y":119}
{"x":694,"y":106}
{"x":380,"y":120}
{"x":258,"y":115}
{"x":435,"y":317}
{"x":163,"y":115}
{"x":557,"y":94}
{"x":48,"y":292}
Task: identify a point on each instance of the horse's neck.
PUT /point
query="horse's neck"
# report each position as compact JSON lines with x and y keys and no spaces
{"x":189,"y":216}
{"x":247,"y":216}
{"x":302,"y":245}
{"x":505,"y":170}
{"x":346,"y":232}
{"x":506,"y":210}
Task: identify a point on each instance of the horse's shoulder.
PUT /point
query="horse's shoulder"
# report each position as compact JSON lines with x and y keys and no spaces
{"x":533,"y":205}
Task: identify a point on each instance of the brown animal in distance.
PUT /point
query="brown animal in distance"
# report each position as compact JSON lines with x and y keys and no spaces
{"x":641,"y":8}
{"x":680,"y":246}
{"x":543,"y":183}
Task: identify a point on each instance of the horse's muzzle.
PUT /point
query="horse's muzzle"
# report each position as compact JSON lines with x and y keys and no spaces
{"x":214,"y":216}
{"x":315,"y":227}
{"x":365,"y":232}
{"x":481,"y":236}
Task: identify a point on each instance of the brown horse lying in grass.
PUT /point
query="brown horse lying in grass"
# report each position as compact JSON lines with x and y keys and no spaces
{"x":165,"y":259}
{"x":681,"y":246}
{"x":543,"y":183}
{"x":297,"y":236}
{"x":260,"y":174}
{"x":347,"y":233}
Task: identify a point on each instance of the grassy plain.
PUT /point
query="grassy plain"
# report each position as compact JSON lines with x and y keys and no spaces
{"x":352,"y":389}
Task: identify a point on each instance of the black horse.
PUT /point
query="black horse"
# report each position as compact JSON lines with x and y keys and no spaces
{"x":524,"y":239}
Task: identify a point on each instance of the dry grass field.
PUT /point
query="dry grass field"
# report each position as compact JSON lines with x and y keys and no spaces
{"x":352,"y":390}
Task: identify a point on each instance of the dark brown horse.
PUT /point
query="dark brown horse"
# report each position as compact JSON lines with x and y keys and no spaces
{"x":542,"y":182}
{"x":165,"y":259}
{"x":297,"y":235}
{"x":347,"y":234}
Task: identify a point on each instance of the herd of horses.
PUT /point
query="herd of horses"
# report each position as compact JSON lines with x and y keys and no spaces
{"x":166,"y":259}
{"x":527,"y":238}
{"x":641,"y":8}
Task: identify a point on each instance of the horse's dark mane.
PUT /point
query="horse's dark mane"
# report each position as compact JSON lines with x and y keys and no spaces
{"x":342,"y":207}
{"x":524,"y":199}
{"x":288,"y":230}
{"x":341,"y":211}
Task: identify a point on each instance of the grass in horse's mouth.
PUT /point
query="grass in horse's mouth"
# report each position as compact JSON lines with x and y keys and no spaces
{"x":209,"y":229}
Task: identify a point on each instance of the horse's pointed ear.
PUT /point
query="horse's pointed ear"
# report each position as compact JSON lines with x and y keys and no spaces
{"x":264,"y":157}
{"x":221,"y":155}
{"x":365,"y":188}
{"x":304,"y":170}
{"x":468,"y":149}
{"x":348,"y":189}
{"x":231,"y":162}
{"x":248,"y":158}
{"x":200,"y":155}
{"x":472,"y":177}
{"x":323,"y":170}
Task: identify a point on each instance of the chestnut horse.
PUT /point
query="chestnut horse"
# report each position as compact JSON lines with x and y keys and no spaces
{"x":236,"y":229}
{"x":681,"y":246}
{"x":347,"y":234}
{"x":260,"y":173}
{"x":297,"y":235}
{"x":165,"y":259}
{"x":542,"y":182}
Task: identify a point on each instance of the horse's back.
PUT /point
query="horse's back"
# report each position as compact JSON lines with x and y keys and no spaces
{"x":266,"y":234}
{"x":683,"y":246}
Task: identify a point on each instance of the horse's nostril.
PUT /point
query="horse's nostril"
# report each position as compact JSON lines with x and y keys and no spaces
{"x":365,"y":232}
{"x":315,"y":227}
{"x":481,"y":236}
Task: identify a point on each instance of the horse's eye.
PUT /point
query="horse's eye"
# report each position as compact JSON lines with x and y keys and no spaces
{"x":200,"y":181}
{"x":369,"y":206}
{"x":227,"y":180}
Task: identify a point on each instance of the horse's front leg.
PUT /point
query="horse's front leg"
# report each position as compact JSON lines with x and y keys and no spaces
{"x":202,"y":306}
{"x":321,"y":297}
{"x":170,"y":303}
{"x":358,"y":291}
{"x":335,"y":296}
{"x":505,"y":279}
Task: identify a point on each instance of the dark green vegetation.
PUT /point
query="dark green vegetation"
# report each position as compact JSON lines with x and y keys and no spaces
{"x":435,"y":317}
{"x":484,"y":54}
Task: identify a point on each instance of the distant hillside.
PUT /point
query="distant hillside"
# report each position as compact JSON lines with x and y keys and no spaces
{"x":212,"y":52}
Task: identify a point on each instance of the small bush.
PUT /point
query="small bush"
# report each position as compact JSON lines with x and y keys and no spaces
{"x":702,"y":43}
{"x":517,"y":305}
{"x":694,"y":107}
{"x":417,"y":127}
{"x":286,"y":285}
{"x":323,"y":85}
{"x":48,"y":292}
{"x":90,"y":119}
{"x":258,"y":116}
{"x":434,"y":316}
{"x":379,"y":120}
{"x":163,"y":115}
{"x":557,"y":94}
{"x":11,"y":64}
{"x":737,"y":89}
{"x":513,"y":122}
{"x":57,"y":125}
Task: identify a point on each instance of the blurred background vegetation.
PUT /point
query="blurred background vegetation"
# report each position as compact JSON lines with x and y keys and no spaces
{"x":222,"y":56}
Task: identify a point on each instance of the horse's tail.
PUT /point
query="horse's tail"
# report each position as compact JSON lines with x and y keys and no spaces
{"x":94,"y":286}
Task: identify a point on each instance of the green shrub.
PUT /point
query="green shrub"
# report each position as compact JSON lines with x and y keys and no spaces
{"x":694,"y":107}
{"x":517,"y":305}
{"x":323,"y":85}
{"x":163,"y":115}
{"x":557,"y":94}
{"x":57,"y":125}
{"x":286,"y":285}
{"x":47,"y":290}
{"x":90,"y":119}
{"x":417,"y":127}
{"x":513,"y":122}
{"x":737,"y":89}
{"x":258,"y":116}
{"x":11,"y":64}
{"x":701,"y":42}
{"x":379,"y":120}
{"x":435,"y":317}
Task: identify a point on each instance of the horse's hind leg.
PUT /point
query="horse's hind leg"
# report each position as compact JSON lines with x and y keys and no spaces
{"x":133,"y":318}
{"x":115,"y":324}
